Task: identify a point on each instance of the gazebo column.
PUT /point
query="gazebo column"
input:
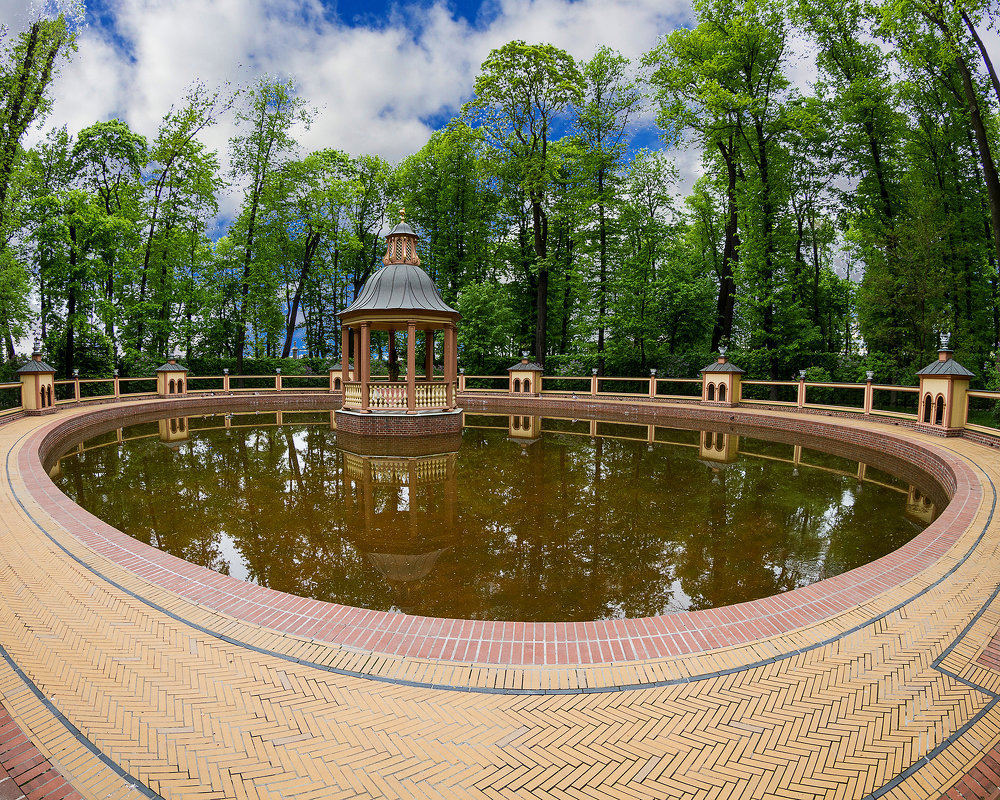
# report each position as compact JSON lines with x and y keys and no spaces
{"x":364,"y":357}
{"x":429,"y":355}
{"x":411,"y":367}
{"x":345,"y":355}
{"x":450,"y":364}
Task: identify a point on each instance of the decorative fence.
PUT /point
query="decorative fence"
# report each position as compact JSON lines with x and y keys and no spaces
{"x":981,"y":408}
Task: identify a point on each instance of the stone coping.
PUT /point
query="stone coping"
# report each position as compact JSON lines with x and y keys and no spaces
{"x":831,"y":604}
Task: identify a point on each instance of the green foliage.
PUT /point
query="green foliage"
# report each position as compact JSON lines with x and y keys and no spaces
{"x":487,"y":324}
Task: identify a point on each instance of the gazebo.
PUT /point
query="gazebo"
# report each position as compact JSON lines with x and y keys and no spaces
{"x":399,"y":297}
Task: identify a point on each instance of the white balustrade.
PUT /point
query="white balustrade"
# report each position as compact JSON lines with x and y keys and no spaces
{"x":392,"y":396}
{"x":387,"y":395}
{"x":431,"y":395}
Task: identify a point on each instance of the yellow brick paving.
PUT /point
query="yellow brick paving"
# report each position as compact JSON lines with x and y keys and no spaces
{"x":188,"y":715}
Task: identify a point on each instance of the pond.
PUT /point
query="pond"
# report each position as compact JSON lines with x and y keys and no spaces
{"x":517,"y":518}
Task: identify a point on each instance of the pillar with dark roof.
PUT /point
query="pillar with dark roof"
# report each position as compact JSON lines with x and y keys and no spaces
{"x":944,"y":386}
{"x":721,"y":382}
{"x":37,"y":384}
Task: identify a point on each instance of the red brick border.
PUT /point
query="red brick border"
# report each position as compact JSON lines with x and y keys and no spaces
{"x":26,"y":774}
{"x":982,"y":782}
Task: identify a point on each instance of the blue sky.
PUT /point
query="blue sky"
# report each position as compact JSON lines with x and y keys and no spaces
{"x":360,"y":12}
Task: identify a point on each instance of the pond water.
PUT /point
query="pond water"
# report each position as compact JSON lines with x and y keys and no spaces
{"x":517,"y":518}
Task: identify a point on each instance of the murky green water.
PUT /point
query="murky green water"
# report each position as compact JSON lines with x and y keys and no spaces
{"x":514,"y":520}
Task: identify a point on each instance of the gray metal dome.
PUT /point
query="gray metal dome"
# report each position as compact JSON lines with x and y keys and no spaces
{"x":402,"y":227}
{"x":399,"y":287}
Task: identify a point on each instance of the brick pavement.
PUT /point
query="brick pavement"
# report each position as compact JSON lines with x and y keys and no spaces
{"x":136,"y":675}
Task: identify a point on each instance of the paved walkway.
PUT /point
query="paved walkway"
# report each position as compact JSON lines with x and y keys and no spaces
{"x":135,"y":675}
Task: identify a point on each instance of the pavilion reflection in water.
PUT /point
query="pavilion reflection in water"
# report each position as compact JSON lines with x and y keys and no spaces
{"x":405,"y":505}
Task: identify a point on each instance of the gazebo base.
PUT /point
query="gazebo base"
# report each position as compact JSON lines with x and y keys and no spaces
{"x":399,"y":423}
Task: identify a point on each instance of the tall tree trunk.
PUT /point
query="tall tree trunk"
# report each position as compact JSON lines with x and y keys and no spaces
{"x":990,"y":177}
{"x":241,"y":315}
{"x":985,"y":54}
{"x":540,"y":225}
{"x":566,"y":305}
{"x":767,"y":211}
{"x":602,"y":256}
{"x":312,"y":242}
{"x":146,"y":254}
{"x":725,"y":308}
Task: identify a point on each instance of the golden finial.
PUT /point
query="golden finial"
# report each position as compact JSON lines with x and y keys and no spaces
{"x":402,"y":214}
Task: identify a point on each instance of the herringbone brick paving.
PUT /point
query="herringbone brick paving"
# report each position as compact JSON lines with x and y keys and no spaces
{"x":132,"y":700}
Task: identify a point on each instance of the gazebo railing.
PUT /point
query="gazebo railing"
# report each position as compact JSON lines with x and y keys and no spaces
{"x":352,"y":394}
{"x":394,"y":395}
{"x":387,"y":395}
{"x":431,"y":395}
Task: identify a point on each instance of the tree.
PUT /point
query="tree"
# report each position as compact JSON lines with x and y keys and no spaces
{"x":267,"y":117}
{"x":66,"y":223}
{"x":520,"y":93}
{"x":107,"y":160}
{"x":486,"y":323}
{"x":26,"y":72}
{"x":172,"y":154}
{"x":448,"y":195}
{"x":687,"y":73}
{"x":950,"y":20}
{"x":611,"y":98}
{"x":306,"y":205}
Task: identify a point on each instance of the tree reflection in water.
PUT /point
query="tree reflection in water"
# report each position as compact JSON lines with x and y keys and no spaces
{"x":525,"y":520}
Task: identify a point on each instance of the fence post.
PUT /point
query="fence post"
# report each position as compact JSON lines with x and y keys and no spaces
{"x":76,"y":385}
{"x":869,"y":393}
{"x":118,"y":389}
{"x":593,"y":381}
{"x":652,"y":383}
{"x":277,"y":379}
{"x":802,"y":389}
{"x":461,"y":379}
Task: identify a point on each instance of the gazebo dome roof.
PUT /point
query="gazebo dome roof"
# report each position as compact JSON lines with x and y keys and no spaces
{"x":399,"y":287}
{"x":402,"y":227}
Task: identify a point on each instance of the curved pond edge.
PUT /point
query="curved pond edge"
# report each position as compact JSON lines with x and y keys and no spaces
{"x":837,"y":606}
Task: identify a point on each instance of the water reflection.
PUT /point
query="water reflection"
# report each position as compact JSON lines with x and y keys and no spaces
{"x":518,"y":518}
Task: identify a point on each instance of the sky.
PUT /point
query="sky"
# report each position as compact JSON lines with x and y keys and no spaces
{"x":381,"y":75}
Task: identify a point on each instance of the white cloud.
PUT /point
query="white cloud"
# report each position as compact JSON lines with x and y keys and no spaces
{"x":372,"y":86}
